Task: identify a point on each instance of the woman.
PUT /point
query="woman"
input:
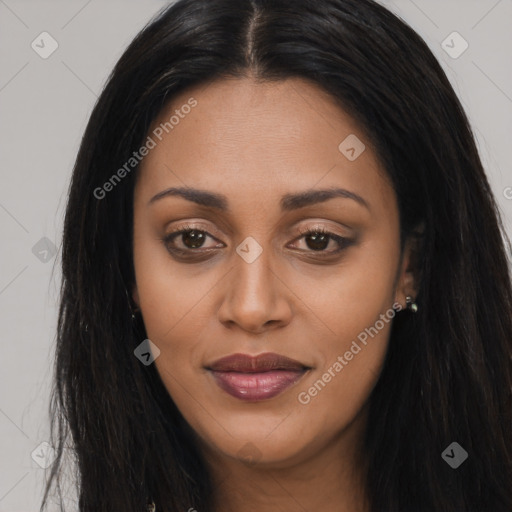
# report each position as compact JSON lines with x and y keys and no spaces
{"x":285,"y":283}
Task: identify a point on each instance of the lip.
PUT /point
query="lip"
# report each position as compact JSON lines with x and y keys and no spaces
{"x":256,"y":378}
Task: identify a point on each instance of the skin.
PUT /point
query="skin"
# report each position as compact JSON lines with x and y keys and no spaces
{"x":254,"y":143}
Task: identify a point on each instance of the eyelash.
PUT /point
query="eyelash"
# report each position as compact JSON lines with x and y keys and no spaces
{"x":342,"y":242}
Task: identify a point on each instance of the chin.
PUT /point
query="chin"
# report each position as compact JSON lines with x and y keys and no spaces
{"x":256,"y":447}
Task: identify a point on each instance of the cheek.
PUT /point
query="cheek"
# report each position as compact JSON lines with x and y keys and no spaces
{"x":177,"y":320}
{"x":171,"y":295}
{"x":178,"y":311}
{"x":351,"y":296}
{"x":355,"y":309}
{"x":339,"y":388}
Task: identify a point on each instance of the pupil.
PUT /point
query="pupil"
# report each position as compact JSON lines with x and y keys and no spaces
{"x":319,"y":241}
{"x":196,"y":239}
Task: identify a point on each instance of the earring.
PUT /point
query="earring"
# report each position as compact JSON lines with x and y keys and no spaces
{"x":410,"y":304}
{"x":130,"y":302}
{"x":137,"y":310}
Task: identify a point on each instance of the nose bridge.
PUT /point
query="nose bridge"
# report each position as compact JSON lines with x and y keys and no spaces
{"x":253,"y":278}
{"x":253,"y":297}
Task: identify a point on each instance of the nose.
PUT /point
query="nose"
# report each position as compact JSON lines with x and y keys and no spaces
{"x":255,"y":297}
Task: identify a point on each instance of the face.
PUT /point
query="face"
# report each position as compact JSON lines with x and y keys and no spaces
{"x":237,"y":251}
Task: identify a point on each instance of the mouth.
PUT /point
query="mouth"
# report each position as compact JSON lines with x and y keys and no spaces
{"x":257,"y":378}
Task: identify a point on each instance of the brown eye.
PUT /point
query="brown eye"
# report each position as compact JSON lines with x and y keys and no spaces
{"x":189,"y":240}
{"x":319,"y":240}
{"x":193,"y":239}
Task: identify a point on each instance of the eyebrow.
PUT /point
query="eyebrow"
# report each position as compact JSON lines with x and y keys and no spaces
{"x":288,"y":202}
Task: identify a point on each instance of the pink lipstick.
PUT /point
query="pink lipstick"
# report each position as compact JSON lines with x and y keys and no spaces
{"x":256,"y":378}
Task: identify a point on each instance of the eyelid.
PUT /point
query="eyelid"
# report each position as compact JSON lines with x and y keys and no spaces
{"x":187,"y":225}
{"x":319,"y":229}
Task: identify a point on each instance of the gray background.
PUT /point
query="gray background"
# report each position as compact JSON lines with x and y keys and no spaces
{"x":44,"y":107}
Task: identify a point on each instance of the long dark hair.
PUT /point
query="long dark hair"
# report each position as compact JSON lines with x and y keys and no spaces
{"x":447,"y":376}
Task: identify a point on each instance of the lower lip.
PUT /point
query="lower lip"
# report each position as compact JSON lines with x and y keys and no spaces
{"x":256,"y":386}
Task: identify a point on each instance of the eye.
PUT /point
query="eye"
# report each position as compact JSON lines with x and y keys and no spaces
{"x":319,"y":239}
{"x":188,"y":239}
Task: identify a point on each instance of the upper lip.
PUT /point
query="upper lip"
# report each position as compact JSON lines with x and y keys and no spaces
{"x":253,"y":364}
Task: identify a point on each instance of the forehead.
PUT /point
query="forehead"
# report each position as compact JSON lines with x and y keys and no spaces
{"x":263,"y":137}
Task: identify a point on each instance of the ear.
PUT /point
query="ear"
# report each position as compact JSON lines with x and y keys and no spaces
{"x":409,"y":279}
{"x":135,"y":295}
